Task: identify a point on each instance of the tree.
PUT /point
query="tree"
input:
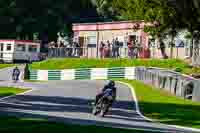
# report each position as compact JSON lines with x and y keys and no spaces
{"x":47,"y":17}
{"x":188,"y":12}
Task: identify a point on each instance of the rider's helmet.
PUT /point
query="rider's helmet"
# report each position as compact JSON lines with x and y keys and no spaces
{"x":111,"y":83}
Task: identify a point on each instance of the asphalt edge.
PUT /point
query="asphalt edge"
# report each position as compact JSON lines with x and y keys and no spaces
{"x":146,"y":118}
{"x":3,"y":98}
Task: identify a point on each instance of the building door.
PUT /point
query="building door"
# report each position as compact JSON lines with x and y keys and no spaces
{"x":81,"y":43}
{"x":1,"y":50}
{"x":132,"y":38}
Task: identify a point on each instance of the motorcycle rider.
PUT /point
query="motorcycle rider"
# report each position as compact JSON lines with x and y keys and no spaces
{"x":110,"y":85}
{"x":16,"y":73}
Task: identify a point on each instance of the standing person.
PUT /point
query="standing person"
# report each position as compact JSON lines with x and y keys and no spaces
{"x":108,"y":49}
{"x":102,"y":50}
{"x":116,"y":48}
{"x":77,"y":49}
{"x":130,"y":49}
{"x":15,"y":74}
{"x":136,"y":49}
{"x":113,"y":49}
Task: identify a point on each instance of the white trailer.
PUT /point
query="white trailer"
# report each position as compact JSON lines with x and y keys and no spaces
{"x":19,"y":50}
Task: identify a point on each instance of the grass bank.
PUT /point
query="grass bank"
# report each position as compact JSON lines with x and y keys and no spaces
{"x":100,"y":63}
{"x":5,"y":65}
{"x":8,"y":91}
{"x":166,"y":108}
{"x":19,"y":125}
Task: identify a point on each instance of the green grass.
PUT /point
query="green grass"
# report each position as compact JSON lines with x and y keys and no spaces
{"x":102,"y":63}
{"x":19,"y":125}
{"x":5,"y":65}
{"x":58,"y":64}
{"x":8,"y":91}
{"x":166,"y":108}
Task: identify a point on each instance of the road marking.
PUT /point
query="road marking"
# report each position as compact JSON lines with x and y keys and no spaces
{"x":148,"y":119}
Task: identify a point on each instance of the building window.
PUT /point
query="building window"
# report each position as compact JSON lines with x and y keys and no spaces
{"x":21,"y":47}
{"x":32,"y":48}
{"x":91,"y":41}
{"x":8,"y":47}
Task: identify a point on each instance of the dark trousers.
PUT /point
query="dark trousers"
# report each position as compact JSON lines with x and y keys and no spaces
{"x":99,"y":96}
{"x":115,"y":52}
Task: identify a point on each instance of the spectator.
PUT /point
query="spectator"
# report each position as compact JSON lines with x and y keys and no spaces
{"x":102,"y":50}
{"x":76,"y":48}
{"x":136,"y":49}
{"x":130,"y":49}
{"x":107,"y":49}
{"x":116,"y":46}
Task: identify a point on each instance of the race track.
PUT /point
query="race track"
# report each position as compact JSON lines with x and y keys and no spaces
{"x":69,"y":102}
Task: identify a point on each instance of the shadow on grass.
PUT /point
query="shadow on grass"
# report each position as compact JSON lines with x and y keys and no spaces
{"x":176,"y":114}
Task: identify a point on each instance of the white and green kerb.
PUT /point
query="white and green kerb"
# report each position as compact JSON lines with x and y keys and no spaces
{"x":83,"y":73}
{"x":54,"y":75}
{"x":33,"y":75}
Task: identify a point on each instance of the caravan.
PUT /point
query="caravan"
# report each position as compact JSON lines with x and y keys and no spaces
{"x":19,"y":50}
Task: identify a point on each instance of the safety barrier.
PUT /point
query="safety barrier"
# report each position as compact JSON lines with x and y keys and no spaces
{"x":173,"y":82}
{"x":83,"y":73}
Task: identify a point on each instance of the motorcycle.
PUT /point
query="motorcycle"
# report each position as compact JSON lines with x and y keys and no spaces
{"x":102,"y":105}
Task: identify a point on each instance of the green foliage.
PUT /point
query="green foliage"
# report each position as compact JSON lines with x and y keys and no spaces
{"x":22,"y":18}
{"x":8,"y":91}
{"x":178,"y":69}
{"x":166,"y":108}
{"x":5,"y":65}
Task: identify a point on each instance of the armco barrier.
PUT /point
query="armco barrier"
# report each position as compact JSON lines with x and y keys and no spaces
{"x":173,"y":82}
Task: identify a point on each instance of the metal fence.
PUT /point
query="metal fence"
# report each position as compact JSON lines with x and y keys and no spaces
{"x":92,"y":52}
{"x":173,"y":82}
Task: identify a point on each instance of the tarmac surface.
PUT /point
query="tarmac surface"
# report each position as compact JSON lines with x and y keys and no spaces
{"x":70,"y":102}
